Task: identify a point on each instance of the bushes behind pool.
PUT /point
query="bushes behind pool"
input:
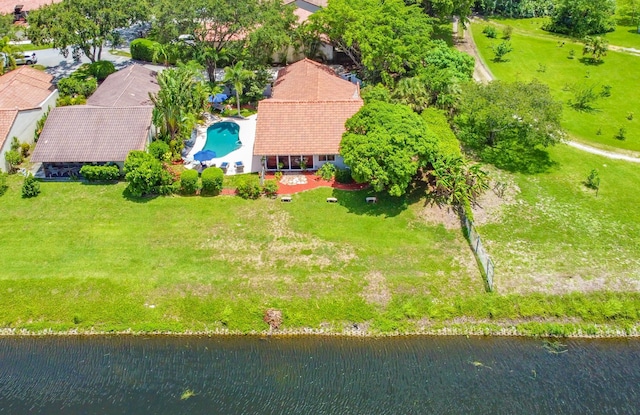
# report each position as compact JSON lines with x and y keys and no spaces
{"x":189,"y":182}
{"x":212,"y":180}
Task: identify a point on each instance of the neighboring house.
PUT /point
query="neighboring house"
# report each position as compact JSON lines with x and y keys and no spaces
{"x":25,"y":95}
{"x":304,"y":9}
{"x":20,"y":8}
{"x":127,"y":87}
{"x":81,"y":134}
{"x":116,"y":120}
{"x":304,"y":119}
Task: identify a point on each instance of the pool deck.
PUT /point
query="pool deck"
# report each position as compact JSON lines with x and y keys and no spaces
{"x":247,"y":136}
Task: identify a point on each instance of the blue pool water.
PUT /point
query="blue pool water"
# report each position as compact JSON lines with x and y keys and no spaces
{"x":223,"y":138}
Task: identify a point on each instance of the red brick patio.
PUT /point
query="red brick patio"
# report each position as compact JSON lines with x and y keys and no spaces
{"x":313,"y":182}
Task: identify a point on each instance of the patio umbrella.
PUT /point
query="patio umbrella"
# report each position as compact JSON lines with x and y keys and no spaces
{"x":218,"y":98}
{"x":204,"y":155}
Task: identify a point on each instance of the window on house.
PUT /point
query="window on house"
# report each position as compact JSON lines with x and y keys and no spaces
{"x":327,"y":157}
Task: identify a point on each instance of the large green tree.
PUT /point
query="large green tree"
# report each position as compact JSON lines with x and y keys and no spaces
{"x":226,"y":31}
{"x":580,"y":18}
{"x":384,"y":40}
{"x":385,"y":145}
{"x":82,"y":25}
{"x":629,"y":13}
{"x":503,"y":116}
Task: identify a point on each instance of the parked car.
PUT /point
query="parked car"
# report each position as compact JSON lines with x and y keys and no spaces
{"x":26,"y":59}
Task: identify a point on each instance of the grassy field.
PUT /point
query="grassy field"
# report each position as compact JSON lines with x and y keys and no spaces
{"x":557,"y":236}
{"x":543,"y":56}
{"x":85,"y":257}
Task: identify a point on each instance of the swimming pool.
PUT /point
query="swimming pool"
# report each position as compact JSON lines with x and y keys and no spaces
{"x":223,"y":138}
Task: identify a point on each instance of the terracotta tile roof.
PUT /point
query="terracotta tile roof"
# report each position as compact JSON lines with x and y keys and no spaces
{"x":7,"y":117}
{"x":307,"y":112}
{"x":288,"y":127}
{"x":128,"y":87}
{"x":307,"y":80}
{"x":24,"y":88}
{"x":86,"y":134}
{"x":8,"y":6}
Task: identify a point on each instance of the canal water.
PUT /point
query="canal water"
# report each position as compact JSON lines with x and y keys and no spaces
{"x":317,"y":375}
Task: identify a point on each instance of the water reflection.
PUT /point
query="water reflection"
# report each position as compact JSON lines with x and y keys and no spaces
{"x":246,"y":375}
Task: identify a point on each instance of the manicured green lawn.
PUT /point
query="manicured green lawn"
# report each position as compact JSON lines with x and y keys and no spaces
{"x":83,"y":255}
{"x":625,"y":36}
{"x":559,"y":237}
{"x":545,"y":58}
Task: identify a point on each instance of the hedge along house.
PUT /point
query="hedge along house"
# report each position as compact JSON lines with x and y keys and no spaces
{"x":81,"y":134}
{"x":116,"y":120}
{"x":301,"y":125}
{"x":26,"y":94}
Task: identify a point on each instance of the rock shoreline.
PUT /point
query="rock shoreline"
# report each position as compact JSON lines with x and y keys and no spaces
{"x":602,"y":332}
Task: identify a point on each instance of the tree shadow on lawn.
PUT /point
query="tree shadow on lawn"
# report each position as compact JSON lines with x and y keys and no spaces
{"x":387,"y":206}
{"x":126,"y":194}
{"x":590,"y":61}
{"x":519,"y":160}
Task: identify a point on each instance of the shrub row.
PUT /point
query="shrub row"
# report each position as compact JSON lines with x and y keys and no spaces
{"x":212,"y":180}
{"x":100,"y":173}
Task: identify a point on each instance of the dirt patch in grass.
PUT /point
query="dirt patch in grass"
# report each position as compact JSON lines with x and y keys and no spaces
{"x":278,"y":246}
{"x":435,"y":214}
{"x":376,"y":291}
{"x":503,"y":192}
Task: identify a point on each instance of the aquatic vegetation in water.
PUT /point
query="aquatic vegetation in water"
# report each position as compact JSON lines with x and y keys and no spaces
{"x":480,"y":364}
{"x":187,"y":394}
{"x":554,"y":347}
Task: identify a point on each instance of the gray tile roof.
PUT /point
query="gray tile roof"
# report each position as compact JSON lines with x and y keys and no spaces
{"x":92,"y":134}
{"x":129,"y":87}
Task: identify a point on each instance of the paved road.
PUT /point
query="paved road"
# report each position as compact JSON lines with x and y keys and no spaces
{"x":59,"y":66}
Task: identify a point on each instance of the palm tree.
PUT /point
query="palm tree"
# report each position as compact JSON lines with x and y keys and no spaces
{"x":237,"y":76}
{"x":162,"y":51}
{"x":595,"y":46}
{"x":7,"y":52}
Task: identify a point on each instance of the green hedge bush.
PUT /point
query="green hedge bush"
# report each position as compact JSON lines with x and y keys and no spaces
{"x":270,"y":187}
{"x":327,"y":171}
{"x":212,"y":180}
{"x":101,"y":69}
{"x":146,"y":175}
{"x":100,"y":173}
{"x":344,"y":175}
{"x":189,"y":182}
{"x":249,"y":187}
{"x":30,"y":187}
{"x":142,"y":49}
{"x":74,"y":86}
{"x":160,"y":150}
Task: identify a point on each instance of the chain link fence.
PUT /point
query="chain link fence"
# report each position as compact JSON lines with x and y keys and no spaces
{"x":485,"y":261}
